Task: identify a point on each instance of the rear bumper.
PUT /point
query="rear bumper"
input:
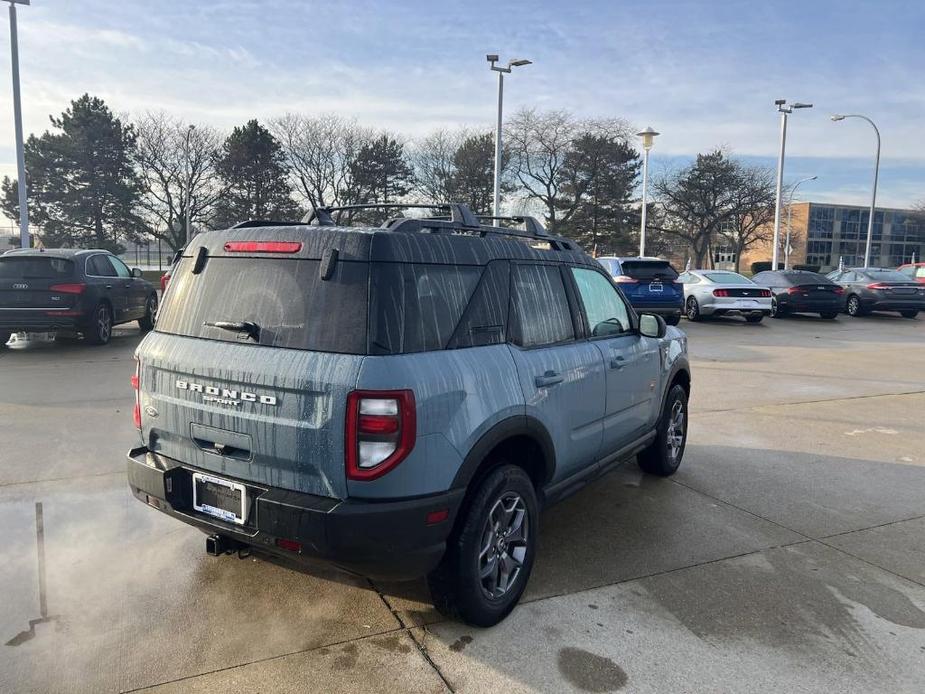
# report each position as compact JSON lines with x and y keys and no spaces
{"x":812,"y":305}
{"x":38,"y":321}
{"x":660,"y":309}
{"x":723,"y":306}
{"x":387,"y":540}
{"x":895,"y":304}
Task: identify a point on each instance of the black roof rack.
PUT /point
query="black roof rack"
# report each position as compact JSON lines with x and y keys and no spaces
{"x":531,"y":224}
{"x":457,"y":213}
{"x":264,"y":223}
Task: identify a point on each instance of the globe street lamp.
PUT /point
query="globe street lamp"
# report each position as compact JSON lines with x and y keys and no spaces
{"x":518,"y":62}
{"x":784,"y":111}
{"x":873,"y":199}
{"x":648,"y":137}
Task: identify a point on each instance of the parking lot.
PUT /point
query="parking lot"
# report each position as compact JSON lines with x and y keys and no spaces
{"x":787,"y":554}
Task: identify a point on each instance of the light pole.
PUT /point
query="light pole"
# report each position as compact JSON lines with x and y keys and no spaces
{"x":790,"y":218}
{"x":493,"y":58}
{"x":648,"y":137}
{"x":24,"y":240}
{"x":189,"y":185}
{"x":784,"y":111}
{"x":873,"y":198}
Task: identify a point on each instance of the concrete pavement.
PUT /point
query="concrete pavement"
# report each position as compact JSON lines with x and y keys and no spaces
{"x":786,"y":554}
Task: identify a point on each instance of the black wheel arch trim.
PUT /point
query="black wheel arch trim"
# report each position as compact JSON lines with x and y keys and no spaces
{"x":518,"y":425}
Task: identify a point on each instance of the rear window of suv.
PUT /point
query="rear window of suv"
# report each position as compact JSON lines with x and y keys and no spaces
{"x":648,"y":269}
{"x":286,"y":298}
{"x":26,"y":267}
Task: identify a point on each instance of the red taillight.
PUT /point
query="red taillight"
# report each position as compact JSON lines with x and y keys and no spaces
{"x":136,"y":411}
{"x":380,"y":431}
{"x":878,"y":285}
{"x":838,"y":290}
{"x":720,"y":292}
{"x":794,"y":290}
{"x":263,"y":246}
{"x":290,"y":545}
{"x":435,"y":517}
{"x":68,"y":288}
{"x":625,"y":279}
{"x":765,"y":293}
{"x":165,"y":278}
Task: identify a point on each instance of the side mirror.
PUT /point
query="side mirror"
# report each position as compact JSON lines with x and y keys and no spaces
{"x":651,"y":325}
{"x":136,"y":272}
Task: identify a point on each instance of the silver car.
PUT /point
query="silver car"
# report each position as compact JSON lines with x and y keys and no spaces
{"x":718,"y":292}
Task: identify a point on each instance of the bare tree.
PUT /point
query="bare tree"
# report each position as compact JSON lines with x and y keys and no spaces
{"x":540,"y":143}
{"x":432,"y":159}
{"x":321,"y":150}
{"x":752,"y":201}
{"x":172,"y":159}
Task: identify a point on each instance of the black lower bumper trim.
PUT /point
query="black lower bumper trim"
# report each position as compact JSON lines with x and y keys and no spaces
{"x":386,"y":540}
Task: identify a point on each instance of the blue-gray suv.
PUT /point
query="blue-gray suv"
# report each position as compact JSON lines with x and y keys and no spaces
{"x":399,"y":400}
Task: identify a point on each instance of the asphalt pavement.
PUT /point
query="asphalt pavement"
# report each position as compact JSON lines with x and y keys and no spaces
{"x":787,"y":554}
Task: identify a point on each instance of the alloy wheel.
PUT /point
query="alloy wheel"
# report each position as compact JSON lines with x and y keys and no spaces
{"x":103,"y":324}
{"x":693,"y":310}
{"x":152,"y":308}
{"x":854,"y":306}
{"x":675,"y":434}
{"x":504,"y":545}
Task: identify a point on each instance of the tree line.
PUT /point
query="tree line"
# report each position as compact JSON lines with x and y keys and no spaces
{"x":95,"y":179}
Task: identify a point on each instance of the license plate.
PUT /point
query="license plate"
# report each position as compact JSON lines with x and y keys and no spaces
{"x":903,"y":290}
{"x":656,"y":287}
{"x":220,"y":498}
{"x":746,"y":303}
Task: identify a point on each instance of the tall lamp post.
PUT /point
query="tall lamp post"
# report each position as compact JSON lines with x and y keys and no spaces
{"x":648,"y":137}
{"x":518,"y":62}
{"x":784,"y":111}
{"x":189,"y":186}
{"x":790,"y":218}
{"x":24,"y":240}
{"x":873,"y":198}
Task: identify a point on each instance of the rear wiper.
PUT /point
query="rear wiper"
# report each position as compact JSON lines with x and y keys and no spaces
{"x":244,"y":326}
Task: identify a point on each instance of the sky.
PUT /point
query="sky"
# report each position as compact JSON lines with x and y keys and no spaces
{"x":704,"y":74}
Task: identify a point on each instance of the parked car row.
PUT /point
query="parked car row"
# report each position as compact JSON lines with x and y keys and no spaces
{"x":652,"y":285}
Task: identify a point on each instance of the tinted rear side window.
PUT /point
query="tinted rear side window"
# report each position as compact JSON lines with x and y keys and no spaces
{"x":417,"y":307}
{"x":649,"y":269}
{"x":540,"y":313}
{"x":286,"y":298}
{"x":35,"y":268}
{"x":887,"y":276}
{"x":806,"y":278}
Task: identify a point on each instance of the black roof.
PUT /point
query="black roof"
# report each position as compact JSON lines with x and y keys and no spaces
{"x":458,"y":238}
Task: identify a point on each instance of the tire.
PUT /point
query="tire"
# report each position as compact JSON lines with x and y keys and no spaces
{"x":776,"y":311}
{"x":99,"y":331}
{"x":664,"y":454}
{"x":456,"y":586}
{"x":904,"y":314}
{"x":754,"y":319}
{"x":853,"y":306}
{"x":5,"y":336}
{"x":829,"y":315}
{"x":146,"y":323}
{"x":692,"y":309}
{"x":673,"y":320}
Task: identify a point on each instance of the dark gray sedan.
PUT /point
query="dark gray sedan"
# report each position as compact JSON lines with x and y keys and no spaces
{"x":879,"y":289}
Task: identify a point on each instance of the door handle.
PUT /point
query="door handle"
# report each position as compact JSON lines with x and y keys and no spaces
{"x":108,"y":286}
{"x":550,"y":378}
{"x":617,"y":363}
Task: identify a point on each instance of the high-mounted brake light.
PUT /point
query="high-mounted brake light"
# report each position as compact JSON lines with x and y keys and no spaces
{"x":136,"y":411}
{"x":263,"y":246}
{"x":68,"y":288}
{"x":380,"y":431}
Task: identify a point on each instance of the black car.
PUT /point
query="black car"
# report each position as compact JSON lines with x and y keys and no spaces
{"x":801,"y":291}
{"x":879,"y":289}
{"x":71,"y":291}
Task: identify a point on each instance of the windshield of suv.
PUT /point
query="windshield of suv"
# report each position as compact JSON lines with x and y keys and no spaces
{"x":727,"y":278}
{"x":649,"y":269}
{"x":30,"y":267}
{"x":285,"y":298}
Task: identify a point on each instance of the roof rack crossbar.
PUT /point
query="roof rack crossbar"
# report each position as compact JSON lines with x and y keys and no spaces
{"x":250,"y":223}
{"x":331,"y":215}
{"x":531,"y":224}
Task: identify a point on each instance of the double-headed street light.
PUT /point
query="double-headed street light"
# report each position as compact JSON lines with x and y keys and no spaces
{"x":793,"y":191}
{"x":17,"y":118}
{"x":648,"y":137}
{"x":518,"y":62}
{"x":785,"y":111}
{"x":873,"y":199}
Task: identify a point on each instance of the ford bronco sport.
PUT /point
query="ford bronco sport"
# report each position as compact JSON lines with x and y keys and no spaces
{"x":399,"y":400}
